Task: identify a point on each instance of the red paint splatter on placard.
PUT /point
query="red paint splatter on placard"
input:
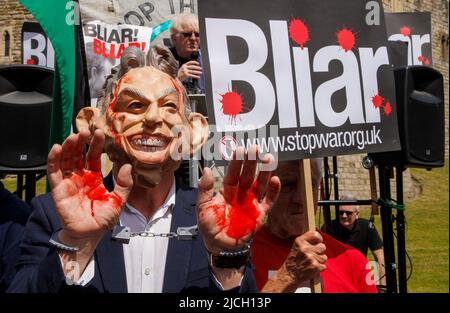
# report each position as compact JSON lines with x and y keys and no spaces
{"x":30,"y":61}
{"x":240,"y":218}
{"x":377,"y":101}
{"x":299,"y":32}
{"x":94,"y":188}
{"x":423,"y":59}
{"x":346,"y":39}
{"x":405,"y":31}
{"x":231,"y":104}
{"x":387,"y":108}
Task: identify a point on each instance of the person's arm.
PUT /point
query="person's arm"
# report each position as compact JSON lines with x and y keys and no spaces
{"x":189,"y":69}
{"x":379,"y":257}
{"x":10,"y":253}
{"x":239,"y":187}
{"x":85,"y":209}
{"x":305,"y":262}
{"x":39,"y":267}
{"x":376,"y":246}
{"x":227,"y":278}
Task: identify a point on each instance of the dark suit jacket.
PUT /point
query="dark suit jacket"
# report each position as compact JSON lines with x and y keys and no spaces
{"x":14,"y":214}
{"x":186,"y":269}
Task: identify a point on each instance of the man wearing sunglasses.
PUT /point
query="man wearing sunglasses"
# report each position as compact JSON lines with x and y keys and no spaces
{"x":359,"y":233}
{"x":185,"y":36}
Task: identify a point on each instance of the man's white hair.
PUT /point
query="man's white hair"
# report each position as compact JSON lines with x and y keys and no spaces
{"x":183,"y":21}
{"x":349,"y":197}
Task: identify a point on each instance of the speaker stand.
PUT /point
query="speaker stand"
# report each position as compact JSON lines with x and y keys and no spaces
{"x":386,"y":223}
{"x":336,"y":195}
{"x":400,"y":223}
{"x":19,"y":190}
{"x":326,"y":208}
{"x":31,"y":174}
{"x":30,"y":187}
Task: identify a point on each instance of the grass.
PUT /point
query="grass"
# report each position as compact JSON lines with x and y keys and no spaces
{"x":427,"y":232}
{"x":11,"y":184}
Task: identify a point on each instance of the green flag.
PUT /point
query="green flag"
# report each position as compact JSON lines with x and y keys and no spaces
{"x":57,"y":18}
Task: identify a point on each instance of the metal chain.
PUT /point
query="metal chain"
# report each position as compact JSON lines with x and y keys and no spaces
{"x":150,"y":234}
{"x":123,"y":233}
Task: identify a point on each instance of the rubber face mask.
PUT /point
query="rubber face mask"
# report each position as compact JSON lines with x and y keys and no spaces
{"x":145,"y":124}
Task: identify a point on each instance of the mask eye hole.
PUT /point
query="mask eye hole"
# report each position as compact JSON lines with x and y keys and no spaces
{"x":170,"y":105}
{"x":135,"y":106}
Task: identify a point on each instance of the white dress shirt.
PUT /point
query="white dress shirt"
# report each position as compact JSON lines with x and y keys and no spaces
{"x":145,"y":257}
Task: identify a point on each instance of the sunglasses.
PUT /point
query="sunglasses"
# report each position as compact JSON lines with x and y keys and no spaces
{"x":349,"y":213}
{"x":187,"y":35}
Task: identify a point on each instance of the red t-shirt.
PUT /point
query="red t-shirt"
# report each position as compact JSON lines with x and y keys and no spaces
{"x":346,"y":267}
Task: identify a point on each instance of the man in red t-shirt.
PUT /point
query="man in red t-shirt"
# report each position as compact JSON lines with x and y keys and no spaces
{"x":285,"y":261}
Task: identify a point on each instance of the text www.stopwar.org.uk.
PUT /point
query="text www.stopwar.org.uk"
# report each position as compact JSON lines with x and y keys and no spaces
{"x":310,"y":142}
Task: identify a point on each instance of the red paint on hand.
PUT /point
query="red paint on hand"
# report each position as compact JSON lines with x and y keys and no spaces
{"x":346,"y":39}
{"x":299,"y":32}
{"x":243,"y":216}
{"x":94,"y":188}
{"x":239,"y":218}
{"x":405,"y":31}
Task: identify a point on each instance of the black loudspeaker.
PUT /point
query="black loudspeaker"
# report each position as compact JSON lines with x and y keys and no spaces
{"x":420,"y":103}
{"x":25,"y":110}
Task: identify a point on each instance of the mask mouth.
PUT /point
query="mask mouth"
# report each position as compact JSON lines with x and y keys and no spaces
{"x":149,"y":143}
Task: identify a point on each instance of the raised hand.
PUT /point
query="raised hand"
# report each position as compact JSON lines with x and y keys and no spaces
{"x":229,"y":219}
{"x":305,"y":261}
{"x":190,"y":69}
{"x":86,"y":209}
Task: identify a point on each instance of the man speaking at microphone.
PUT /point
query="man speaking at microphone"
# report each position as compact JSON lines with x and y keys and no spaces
{"x":185,"y":36}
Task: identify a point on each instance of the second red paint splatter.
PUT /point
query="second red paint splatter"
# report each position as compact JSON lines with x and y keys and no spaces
{"x":378,"y":101}
{"x":346,"y":39}
{"x":240,"y":218}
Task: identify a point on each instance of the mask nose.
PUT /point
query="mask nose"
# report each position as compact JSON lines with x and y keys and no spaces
{"x":153,"y":116}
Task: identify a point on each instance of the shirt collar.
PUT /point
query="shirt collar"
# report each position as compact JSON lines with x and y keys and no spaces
{"x":165,"y":209}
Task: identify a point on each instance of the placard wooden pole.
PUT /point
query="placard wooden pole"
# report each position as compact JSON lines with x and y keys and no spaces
{"x":306,"y":193}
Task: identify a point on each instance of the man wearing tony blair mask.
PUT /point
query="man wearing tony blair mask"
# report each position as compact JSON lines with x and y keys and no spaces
{"x":145,"y":125}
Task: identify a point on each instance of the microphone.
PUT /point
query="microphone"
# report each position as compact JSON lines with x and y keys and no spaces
{"x":195,"y":86}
